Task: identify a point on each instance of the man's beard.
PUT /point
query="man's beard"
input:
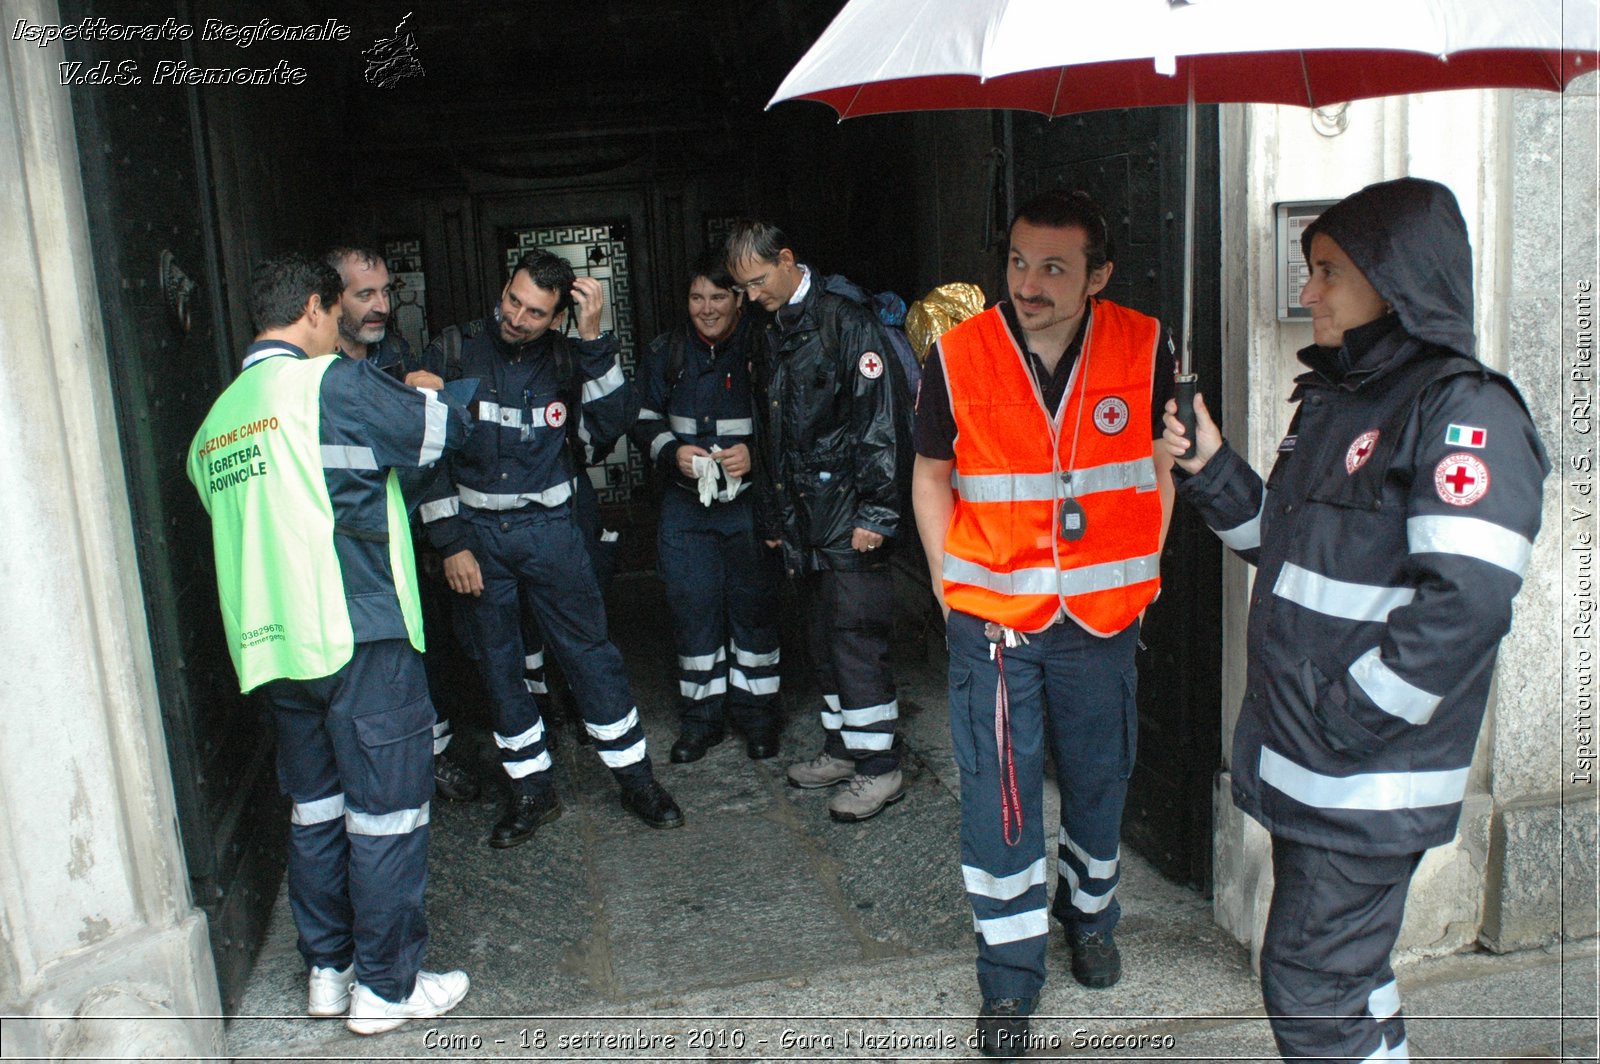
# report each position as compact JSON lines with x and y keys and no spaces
{"x":359,"y":336}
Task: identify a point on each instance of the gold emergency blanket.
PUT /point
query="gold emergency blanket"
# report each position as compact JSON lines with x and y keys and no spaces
{"x":939,"y":310}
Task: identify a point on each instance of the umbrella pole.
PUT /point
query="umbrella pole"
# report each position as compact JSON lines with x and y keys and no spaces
{"x":1187,"y":381}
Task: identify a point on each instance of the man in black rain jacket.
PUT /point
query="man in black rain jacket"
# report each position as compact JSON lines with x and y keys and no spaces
{"x":835,"y":438}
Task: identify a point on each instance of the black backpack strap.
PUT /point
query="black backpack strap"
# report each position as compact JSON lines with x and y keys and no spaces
{"x":677,"y":353}
{"x":450,"y":339}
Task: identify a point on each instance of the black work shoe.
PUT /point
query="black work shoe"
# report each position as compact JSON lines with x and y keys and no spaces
{"x":652,"y":804}
{"x":761,"y":743}
{"x":525,"y":814}
{"x":1095,"y":960}
{"x":453,"y":782}
{"x":1003,"y":1026}
{"x":692,"y":746}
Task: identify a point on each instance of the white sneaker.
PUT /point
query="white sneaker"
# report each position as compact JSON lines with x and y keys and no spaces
{"x":436,"y":993}
{"x":330,"y":990}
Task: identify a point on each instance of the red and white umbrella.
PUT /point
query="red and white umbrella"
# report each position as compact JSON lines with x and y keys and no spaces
{"x":1059,"y":57}
{"x":1063,"y":56}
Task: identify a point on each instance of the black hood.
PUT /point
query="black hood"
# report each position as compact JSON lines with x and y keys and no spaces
{"x":1409,"y":239}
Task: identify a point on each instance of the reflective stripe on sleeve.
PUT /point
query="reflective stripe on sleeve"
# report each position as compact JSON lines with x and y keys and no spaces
{"x":658,"y":443}
{"x":682,"y":425}
{"x":1389,"y":692}
{"x":1339,"y":598}
{"x":435,"y":418}
{"x":604,"y":384}
{"x":1246,"y":536}
{"x":342,"y":456}
{"x":1470,"y":537}
{"x":1367,"y":790}
{"x":739,"y":426}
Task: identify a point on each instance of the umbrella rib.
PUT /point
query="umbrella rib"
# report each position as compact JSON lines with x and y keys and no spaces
{"x":1055,"y":101}
{"x":854,"y":97}
{"x":1555,"y":75}
{"x":1305,"y":76}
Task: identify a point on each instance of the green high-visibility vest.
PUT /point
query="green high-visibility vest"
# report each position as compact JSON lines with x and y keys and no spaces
{"x":257,"y":463}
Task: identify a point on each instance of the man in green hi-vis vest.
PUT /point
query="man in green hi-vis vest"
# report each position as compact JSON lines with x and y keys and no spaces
{"x":295,"y":464}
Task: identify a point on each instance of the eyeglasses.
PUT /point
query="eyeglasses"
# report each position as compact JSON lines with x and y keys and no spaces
{"x":754,"y":283}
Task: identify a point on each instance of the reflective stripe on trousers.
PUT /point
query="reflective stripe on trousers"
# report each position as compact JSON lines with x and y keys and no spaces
{"x":1073,"y":690}
{"x":848,"y":617}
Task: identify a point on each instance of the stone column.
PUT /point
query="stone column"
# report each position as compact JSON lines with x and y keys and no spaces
{"x":104,"y":951}
{"x":1542,"y":860}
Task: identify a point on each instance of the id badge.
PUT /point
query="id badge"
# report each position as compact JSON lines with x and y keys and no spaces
{"x":1073,"y":520}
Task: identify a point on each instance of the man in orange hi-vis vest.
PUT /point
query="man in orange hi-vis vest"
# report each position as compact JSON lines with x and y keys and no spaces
{"x":1042,"y":506}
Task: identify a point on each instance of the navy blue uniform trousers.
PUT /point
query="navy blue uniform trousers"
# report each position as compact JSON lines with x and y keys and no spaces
{"x":1325,"y":975}
{"x":1077,"y":691}
{"x":721,"y":588}
{"x":539,"y":552}
{"x":849,"y":614}
{"x":355,"y":756}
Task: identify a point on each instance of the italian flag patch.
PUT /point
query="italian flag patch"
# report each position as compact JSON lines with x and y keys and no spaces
{"x":1465,"y":436}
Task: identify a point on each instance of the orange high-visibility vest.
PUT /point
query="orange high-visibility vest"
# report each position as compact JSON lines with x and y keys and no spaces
{"x":1005,"y":557}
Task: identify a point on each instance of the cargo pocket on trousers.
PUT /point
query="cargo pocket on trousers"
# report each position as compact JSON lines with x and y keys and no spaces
{"x":964,"y":746}
{"x":1130,"y":720}
{"x":396,"y":758}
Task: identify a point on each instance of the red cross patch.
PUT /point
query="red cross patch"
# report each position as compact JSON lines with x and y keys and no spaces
{"x":1461,"y":479}
{"x":1360,"y":450}
{"x":1111,"y":415}
{"x":555,"y":415}
{"x":871,"y":366}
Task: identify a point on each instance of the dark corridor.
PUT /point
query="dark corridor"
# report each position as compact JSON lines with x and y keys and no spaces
{"x":642,"y":115}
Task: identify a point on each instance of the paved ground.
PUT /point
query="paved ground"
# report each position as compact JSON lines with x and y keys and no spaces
{"x":763,"y":931}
